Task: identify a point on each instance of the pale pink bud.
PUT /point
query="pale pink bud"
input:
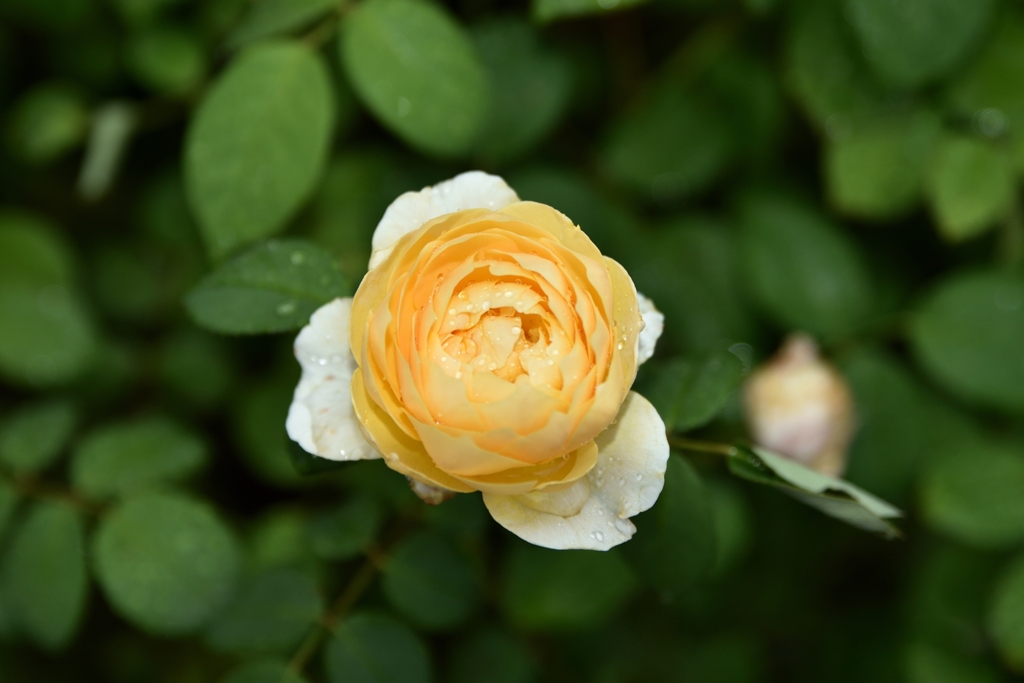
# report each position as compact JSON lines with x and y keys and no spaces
{"x":799,"y":406}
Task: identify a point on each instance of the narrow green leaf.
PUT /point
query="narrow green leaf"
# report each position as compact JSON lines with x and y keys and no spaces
{"x":674,"y":547}
{"x":834,"y":497}
{"x":46,"y":574}
{"x":911,"y":43}
{"x":430,"y":581}
{"x":126,"y":457}
{"x":555,"y":590}
{"x":530,"y":86}
{"x":268,"y":18}
{"x":971,"y":187}
{"x":48,"y":336}
{"x":270,"y":614}
{"x":550,"y":10}
{"x":669,"y":146}
{"x":257,"y":143}
{"x":1006,"y":616}
{"x":690,"y":392}
{"x":976,"y":494}
{"x":33,"y":437}
{"x":273,"y":287}
{"x":876,"y":168}
{"x":968,"y":334}
{"x":415,"y":68}
{"x":264,"y":671}
{"x":803,"y":270}
{"x":347,"y":530}
{"x":166,"y":562}
{"x":371,"y":648}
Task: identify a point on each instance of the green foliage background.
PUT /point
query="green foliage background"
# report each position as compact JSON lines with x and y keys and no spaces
{"x":182,"y":182}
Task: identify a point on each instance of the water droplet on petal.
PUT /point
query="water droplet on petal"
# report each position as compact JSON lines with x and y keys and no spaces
{"x":597,"y":535}
{"x":639,"y":476}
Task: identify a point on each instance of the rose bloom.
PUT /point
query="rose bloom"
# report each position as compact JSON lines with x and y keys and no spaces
{"x":799,"y":406}
{"x":491,"y":347}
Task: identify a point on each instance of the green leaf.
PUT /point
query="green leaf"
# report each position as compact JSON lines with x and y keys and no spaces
{"x":976,"y":494}
{"x":430,"y":581}
{"x":126,"y":457}
{"x":550,"y":10}
{"x":141,"y":12}
{"x":967,"y":335}
{"x":690,"y":392}
{"x":988,"y":89}
{"x":691,"y":270}
{"x":529,"y":86}
{"x":416,"y":70}
{"x":733,"y":524}
{"x":166,"y":562}
{"x":264,"y":671}
{"x":670,"y":146}
{"x":492,"y":656}
{"x":928,"y":663}
{"x":555,"y":590}
{"x":804,"y":271}
{"x":46,"y":574}
{"x":268,"y":18}
{"x":823,"y":66}
{"x":279,"y":539}
{"x":256,"y":425}
{"x":900,"y":424}
{"x":271,"y":613}
{"x":196,"y":367}
{"x":345,"y":531}
{"x":834,"y":497}
{"x":911,"y":43}
{"x":876,"y":168}
{"x":8,"y":504}
{"x":257,"y":143}
{"x":47,"y":122}
{"x":34,"y":436}
{"x":372,"y":648}
{"x":1006,"y":616}
{"x":48,"y":336}
{"x":971,"y":187}
{"x":166,"y":60}
{"x":273,"y":287}
{"x":674,"y":547}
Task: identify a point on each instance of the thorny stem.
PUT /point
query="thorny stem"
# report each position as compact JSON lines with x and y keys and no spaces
{"x":702,"y":446}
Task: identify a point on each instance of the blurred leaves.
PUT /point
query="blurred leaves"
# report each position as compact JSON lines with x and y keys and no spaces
{"x":416,"y":69}
{"x":266,"y":18}
{"x":46,"y":123}
{"x":688,"y":393}
{"x":45,"y":574}
{"x":373,"y":648}
{"x":166,"y":562}
{"x":34,"y":436}
{"x":125,"y":458}
{"x":1006,"y":617}
{"x":273,"y":287}
{"x":971,"y":187}
{"x":48,"y":336}
{"x":552,"y":590}
{"x":967,"y":335}
{"x":258,"y":143}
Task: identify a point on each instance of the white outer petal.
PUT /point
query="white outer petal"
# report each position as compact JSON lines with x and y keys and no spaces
{"x":594,"y":513}
{"x":470,"y":190}
{"x":321,"y":418}
{"x":654,"y":325}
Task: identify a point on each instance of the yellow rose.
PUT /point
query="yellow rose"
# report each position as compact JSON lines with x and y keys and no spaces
{"x":799,"y":406}
{"x":491,"y":347}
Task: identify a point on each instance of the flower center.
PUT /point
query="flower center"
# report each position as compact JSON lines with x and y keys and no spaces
{"x":503,"y":329}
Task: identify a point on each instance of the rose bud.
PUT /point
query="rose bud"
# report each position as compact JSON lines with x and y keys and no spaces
{"x":799,"y":406}
{"x":491,"y":347}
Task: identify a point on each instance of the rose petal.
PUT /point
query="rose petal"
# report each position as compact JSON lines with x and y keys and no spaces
{"x":594,"y":513}
{"x":470,"y":190}
{"x":321,"y":418}
{"x":654,"y":325}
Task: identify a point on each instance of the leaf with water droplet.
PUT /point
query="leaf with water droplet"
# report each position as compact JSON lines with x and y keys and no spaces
{"x":273,"y":287}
